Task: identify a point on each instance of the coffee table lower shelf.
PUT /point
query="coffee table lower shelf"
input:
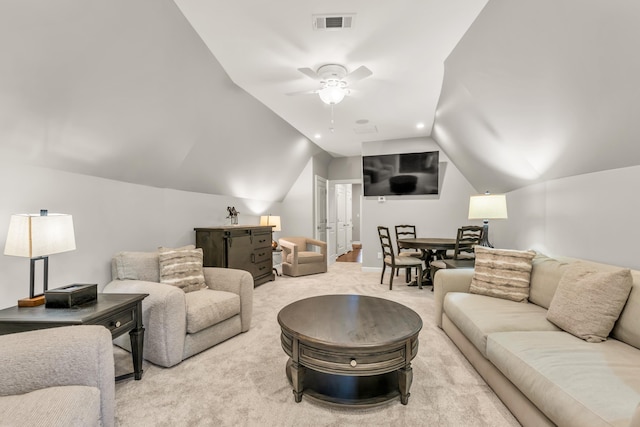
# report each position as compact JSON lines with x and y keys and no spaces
{"x":345,"y":390}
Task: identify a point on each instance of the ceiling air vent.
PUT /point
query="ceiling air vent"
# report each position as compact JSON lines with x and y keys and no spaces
{"x":333,"y":22}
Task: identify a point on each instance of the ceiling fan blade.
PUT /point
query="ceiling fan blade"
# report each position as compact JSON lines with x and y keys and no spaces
{"x":310,"y":73}
{"x":304,"y":92}
{"x":359,"y":73}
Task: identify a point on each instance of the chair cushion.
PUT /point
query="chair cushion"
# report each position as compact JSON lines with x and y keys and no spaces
{"x":207,"y":307}
{"x":416,"y":254}
{"x":438,"y":264}
{"x":588,"y":302}
{"x":405,"y":261}
{"x":54,"y":406}
{"x":306,"y":257}
{"x":182,"y":268}
{"x":502,"y":273}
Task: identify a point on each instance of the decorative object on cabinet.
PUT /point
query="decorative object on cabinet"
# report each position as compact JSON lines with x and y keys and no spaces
{"x":37,"y":236}
{"x":233,"y":214}
{"x":244,"y":247}
{"x":273,"y":221}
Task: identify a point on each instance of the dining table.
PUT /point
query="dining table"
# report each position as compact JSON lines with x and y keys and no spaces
{"x":431,"y":248}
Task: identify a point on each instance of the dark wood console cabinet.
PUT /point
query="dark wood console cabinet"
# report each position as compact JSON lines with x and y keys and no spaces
{"x":245,"y":247}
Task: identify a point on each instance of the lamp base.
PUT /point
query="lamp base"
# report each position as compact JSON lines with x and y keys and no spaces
{"x":484,"y":241}
{"x":31,"y":302}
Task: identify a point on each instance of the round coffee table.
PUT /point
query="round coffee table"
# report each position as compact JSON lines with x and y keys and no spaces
{"x":350,"y":349}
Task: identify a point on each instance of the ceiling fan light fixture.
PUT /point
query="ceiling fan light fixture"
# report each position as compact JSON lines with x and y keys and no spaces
{"x":332,"y":95}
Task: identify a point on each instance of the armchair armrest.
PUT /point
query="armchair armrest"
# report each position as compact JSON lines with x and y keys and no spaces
{"x":164,"y":317}
{"x":237,"y":281}
{"x":289,"y":248}
{"x":319,"y":243}
{"x":71,"y":355}
{"x":449,"y":280}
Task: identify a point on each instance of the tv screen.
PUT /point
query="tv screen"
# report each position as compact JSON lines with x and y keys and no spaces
{"x":400,"y":174}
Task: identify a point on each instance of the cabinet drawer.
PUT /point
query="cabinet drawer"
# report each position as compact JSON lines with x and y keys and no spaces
{"x":262,"y":254}
{"x":119,"y":322}
{"x":262,"y":240}
{"x":263,"y":268}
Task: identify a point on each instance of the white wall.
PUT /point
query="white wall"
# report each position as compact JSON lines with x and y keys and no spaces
{"x":592,"y":216}
{"x":109,"y":216}
{"x":434,"y":216}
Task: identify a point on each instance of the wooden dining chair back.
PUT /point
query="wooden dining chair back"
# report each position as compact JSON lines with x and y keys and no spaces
{"x":406,"y":232}
{"x":467,"y":237}
{"x":390,"y":259}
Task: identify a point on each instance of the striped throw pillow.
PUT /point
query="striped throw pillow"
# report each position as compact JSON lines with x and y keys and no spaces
{"x":182,"y":267}
{"x":502,"y":273}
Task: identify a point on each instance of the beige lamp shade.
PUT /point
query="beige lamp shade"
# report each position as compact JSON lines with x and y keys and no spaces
{"x":488,"y":206}
{"x":271,"y":220}
{"x":32,"y":235}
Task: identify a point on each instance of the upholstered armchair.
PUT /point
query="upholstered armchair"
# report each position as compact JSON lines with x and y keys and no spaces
{"x":59,"y":376}
{"x":179,"y":324}
{"x":298,"y":257}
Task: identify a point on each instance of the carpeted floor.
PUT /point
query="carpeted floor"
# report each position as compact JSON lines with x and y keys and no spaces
{"x":242,"y":381}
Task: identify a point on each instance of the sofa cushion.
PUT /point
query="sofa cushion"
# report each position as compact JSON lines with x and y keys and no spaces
{"x":573,"y":382}
{"x":208,"y":307}
{"x":136,"y":266}
{"x":55,"y":406}
{"x":546,"y":273}
{"x":588,"y":302}
{"x":502,"y":273}
{"x":306,"y":257}
{"x":182,"y":267}
{"x":477,"y":316}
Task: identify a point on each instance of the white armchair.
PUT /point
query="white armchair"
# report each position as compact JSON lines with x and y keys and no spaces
{"x":58,"y":376}
{"x":178,"y":324}
{"x":298,"y":258}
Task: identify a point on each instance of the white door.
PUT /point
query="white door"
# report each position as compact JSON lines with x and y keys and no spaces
{"x":341,"y":219}
{"x":331,"y":227}
{"x":321,"y":209}
{"x":349,"y":217}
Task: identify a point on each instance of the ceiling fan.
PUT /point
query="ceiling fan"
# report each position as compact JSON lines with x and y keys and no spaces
{"x":334,"y":81}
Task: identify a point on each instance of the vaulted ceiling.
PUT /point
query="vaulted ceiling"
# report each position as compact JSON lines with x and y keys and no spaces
{"x":192,"y":94}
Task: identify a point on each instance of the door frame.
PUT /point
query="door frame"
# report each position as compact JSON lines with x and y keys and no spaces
{"x":331,"y":190}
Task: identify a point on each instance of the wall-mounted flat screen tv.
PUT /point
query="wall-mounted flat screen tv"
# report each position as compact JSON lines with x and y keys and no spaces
{"x":400,"y":174}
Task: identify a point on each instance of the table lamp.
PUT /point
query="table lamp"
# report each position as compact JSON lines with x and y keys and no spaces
{"x":485,"y":207}
{"x":274,"y":221}
{"x":37,"y":236}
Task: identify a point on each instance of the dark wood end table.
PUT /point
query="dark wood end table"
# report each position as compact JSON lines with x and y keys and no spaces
{"x":119,"y":313}
{"x":350,"y":349}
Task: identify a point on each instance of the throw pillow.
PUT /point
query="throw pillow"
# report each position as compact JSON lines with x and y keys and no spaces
{"x":588,"y":301}
{"x":182,"y":267}
{"x":502,"y":273}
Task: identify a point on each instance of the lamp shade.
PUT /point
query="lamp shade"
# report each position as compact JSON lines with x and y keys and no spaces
{"x":488,"y":206}
{"x":332,"y":94}
{"x":273,"y":220}
{"x":32,"y":235}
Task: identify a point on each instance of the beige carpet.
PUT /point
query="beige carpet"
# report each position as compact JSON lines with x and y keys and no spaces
{"x":242,"y":381}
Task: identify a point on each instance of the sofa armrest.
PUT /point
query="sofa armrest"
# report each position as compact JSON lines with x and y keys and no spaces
{"x":237,"y":281}
{"x":164,"y":317}
{"x":449,"y":280}
{"x":71,"y":355}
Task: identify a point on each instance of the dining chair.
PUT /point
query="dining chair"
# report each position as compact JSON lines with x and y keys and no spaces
{"x":406,"y":232}
{"x":466,"y":238}
{"x":390,"y":259}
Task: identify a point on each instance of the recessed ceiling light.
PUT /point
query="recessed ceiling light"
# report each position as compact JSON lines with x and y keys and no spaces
{"x":420,"y":126}
{"x":362,"y":121}
{"x":317,"y":136}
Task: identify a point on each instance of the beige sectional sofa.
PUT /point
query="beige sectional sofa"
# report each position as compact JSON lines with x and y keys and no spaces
{"x":543,"y":374}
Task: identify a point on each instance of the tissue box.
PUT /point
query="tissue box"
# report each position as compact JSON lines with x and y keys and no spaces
{"x":71,"y":296}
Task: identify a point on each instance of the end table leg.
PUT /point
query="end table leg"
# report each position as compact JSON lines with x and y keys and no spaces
{"x":137,"y":339}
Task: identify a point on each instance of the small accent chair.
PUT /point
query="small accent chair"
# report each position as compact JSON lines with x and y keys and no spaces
{"x":396,"y":262}
{"x":466,"y":238}
{"x":298,"y":258}
{"x":407,"y":232}
{"x":179,"y":324}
